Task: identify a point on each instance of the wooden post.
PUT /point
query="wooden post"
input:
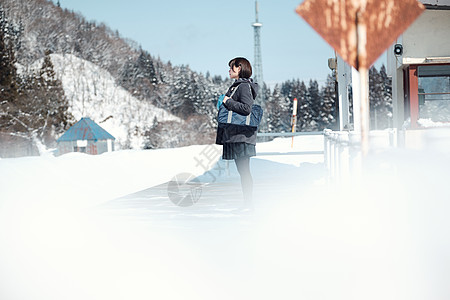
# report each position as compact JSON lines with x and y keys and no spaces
{"x":361,"y":31}
{"x":365,"y":114}
{"x":294,"y":120}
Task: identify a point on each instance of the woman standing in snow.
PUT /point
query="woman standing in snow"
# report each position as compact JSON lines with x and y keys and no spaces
{"x":239,"y":141}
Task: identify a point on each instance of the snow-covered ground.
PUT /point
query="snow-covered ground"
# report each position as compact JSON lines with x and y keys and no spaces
{"x":79,"y":180}
{"x":383,"y":235}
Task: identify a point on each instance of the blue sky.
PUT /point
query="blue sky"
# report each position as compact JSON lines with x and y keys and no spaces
{"x":206,"y":34}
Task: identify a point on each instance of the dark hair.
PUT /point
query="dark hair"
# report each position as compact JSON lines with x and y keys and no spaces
{"x":246,"y":67}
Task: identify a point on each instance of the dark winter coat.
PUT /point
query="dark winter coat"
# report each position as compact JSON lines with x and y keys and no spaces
{"x":241,"y":103}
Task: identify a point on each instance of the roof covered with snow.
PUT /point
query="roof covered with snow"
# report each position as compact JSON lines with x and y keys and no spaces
{"x":437,"y":3}
{"x":85,"y":129}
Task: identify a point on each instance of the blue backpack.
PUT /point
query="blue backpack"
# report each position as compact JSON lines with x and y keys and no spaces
{"x":226,"y":116}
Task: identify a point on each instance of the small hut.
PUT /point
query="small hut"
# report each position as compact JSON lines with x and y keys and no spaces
{"x":86,"y":136}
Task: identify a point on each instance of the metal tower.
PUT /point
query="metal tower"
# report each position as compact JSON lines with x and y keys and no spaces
{"x":257,"y":64}
{"x":257,"y":67}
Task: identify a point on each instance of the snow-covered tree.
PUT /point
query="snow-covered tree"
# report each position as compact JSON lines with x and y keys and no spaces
{"x":42,"y":106}
{"x":326,"y":117}
{"x":313,"y":103}
{"x":380,"y":98}
{"x":385,"y":109}
{"x":56,"y":104}
{"x":8,"y":76}
{"x":274,"y":111}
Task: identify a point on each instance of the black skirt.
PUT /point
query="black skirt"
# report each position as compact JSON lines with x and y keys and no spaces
{"x":237,"y":150}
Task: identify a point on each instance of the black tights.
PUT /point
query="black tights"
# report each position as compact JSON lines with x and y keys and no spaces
{"x":243,"y":167}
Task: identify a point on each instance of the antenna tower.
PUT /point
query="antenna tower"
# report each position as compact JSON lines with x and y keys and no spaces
{"x":257,"y":64}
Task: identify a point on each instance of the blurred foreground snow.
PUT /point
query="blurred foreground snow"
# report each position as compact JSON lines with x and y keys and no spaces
{"x":383,"y":235}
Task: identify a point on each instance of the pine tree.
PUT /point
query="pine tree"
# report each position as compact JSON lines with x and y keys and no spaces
{"x":56,"y":103}
{"x":302,"y":104}
{"x":327,"y":112}
{"x":286,"y":106}
{"x":8,"y":76}
{"x":386,"y":109}
{"x":43,"y":106}
{"x":274,"y":111}
{"x":313,"y":105}
{"x":287,"y":89}
{"x":297,"y":89}
{"x":146,"y":67}
{"x":375,"y":96}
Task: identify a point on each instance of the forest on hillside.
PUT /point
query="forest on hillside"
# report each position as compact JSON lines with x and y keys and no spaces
{"x":34,"y":110}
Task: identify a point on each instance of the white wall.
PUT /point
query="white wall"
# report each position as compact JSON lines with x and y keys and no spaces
{"x":428,"y":36}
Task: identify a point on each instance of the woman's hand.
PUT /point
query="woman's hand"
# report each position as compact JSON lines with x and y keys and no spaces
{"x":222,"y":99}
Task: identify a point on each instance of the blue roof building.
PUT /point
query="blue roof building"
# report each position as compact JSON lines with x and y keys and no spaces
{"x":86,"y":136}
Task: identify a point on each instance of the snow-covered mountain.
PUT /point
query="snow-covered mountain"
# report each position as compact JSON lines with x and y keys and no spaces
{"x":141,"y":100}
{"x":92,"y":92}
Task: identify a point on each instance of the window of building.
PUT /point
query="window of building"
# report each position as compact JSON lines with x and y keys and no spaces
{"x":434,"y":92}
{"x":79,"y":149}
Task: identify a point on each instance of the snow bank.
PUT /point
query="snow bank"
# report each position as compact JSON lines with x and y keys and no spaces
{"x":301,"y":149}
{"x":79,"y":180}
{"x":428,"y":123}
{"x":53,"y":247}
{"x":381,"y":235}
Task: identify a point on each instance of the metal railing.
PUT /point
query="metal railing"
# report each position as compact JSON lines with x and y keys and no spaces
{"x":342,"y":150}
{"x":288,"y":134}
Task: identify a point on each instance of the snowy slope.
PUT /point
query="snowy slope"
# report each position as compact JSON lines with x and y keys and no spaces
{"x":92,"y":92}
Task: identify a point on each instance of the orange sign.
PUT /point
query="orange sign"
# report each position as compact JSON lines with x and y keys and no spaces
{"x":360,"y":30}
